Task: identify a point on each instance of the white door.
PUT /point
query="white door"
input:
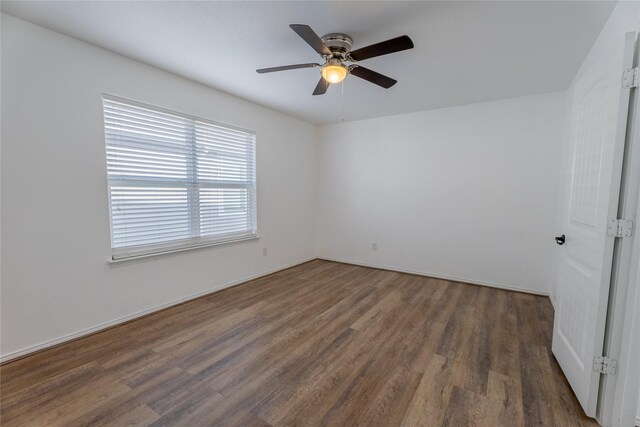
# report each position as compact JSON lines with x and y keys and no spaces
{"x":593,"y":163}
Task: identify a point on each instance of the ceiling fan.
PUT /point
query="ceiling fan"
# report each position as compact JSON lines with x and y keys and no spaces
{"x":335,"y":50}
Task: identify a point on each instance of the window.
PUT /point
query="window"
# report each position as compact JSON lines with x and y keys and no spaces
{"x":176,"y":181}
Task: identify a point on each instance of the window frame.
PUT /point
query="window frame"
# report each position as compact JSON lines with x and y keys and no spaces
{"x":131,"y":252}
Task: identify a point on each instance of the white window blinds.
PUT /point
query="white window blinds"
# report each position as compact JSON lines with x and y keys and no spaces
{"x":176,"y":181}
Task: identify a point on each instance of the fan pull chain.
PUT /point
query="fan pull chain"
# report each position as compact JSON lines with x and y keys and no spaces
{"x":342,"y":103}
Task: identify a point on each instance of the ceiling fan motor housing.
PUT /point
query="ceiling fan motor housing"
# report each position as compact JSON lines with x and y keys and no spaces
{"x":339,"y":44}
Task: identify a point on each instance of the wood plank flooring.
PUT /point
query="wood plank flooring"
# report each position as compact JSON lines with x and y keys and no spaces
{"x":321,"y":343}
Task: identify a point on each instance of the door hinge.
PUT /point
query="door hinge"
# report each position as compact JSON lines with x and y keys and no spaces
{"x":605,"y":365}
{"x":631,"y":78}
{"x":620,"y":228}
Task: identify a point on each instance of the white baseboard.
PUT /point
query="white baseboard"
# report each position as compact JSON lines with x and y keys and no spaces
{"x":440,"y":276}
{"x":88,"y":331}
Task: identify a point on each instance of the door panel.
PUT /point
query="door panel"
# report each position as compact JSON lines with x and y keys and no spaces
{"x":596,"y":136}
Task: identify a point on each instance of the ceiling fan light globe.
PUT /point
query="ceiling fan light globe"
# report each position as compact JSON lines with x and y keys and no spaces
{"x":334,"y":73}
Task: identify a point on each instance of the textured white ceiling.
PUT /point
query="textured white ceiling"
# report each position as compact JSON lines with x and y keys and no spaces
{"x":465,"y":52}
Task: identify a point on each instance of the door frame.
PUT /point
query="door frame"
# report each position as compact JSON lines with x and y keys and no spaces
{"x":606,"y":316}
{"x":618,"y":394}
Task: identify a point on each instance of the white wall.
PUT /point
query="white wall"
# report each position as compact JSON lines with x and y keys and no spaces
{"x":466,"y":192}
{"x":55,"y":227}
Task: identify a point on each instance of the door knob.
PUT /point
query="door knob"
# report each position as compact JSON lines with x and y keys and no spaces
{"x":560,"y":240}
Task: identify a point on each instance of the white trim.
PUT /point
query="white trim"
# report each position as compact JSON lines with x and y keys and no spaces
{"x":619,"y":393}
{"x":88,"y":331}
{"x":440,"y":276}
{"x":190,"y":244}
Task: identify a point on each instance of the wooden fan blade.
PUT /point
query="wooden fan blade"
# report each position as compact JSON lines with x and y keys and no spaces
{"x":373,"y":77}
{"x":321,"y":87}
{"x":311,"y":38}
{"x":383,"y":48}
{"x":286,"y":67}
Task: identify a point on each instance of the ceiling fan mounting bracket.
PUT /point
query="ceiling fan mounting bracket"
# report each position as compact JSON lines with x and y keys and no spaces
{"x":338,"y":43}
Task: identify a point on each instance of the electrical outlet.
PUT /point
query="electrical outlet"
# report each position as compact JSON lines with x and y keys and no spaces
{"x":264,"y":252}
{"x":374,"y":246}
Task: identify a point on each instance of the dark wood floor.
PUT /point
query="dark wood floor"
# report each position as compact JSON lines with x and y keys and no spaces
{"x":318,"y":344}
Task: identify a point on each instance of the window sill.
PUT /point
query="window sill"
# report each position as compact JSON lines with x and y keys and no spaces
{"x":162,"y":252}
